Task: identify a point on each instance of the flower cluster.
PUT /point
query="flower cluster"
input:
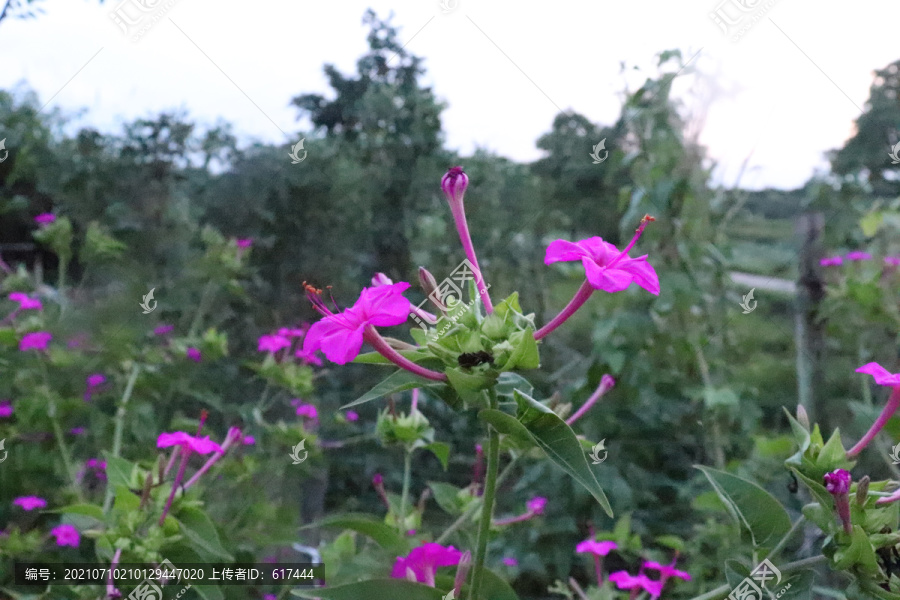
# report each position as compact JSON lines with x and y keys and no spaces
{"x":282,"y":343}
{"x":857,"y":256}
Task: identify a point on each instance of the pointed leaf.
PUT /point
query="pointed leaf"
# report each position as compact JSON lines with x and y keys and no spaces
{"x":201,"y":533}
{"x":447,"y":497}
{"x":88,"y":510}
{"x":396,"y":382}
{"x":441,"y":451}
{"x":507,"y":425}
{"x":750,"y":505}
{"x":383,"y":535}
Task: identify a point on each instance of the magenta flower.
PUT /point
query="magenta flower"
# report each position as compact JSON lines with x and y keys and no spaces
{"x":352,"y":415}
{"x":244,"y":242}
{"x":536,"y":505}
{"x":666,"y":571}
{"x":163,"y":329}
{"x":270,"y":597}
{"x":624,"y":581}
{"x":77,"y":430}
{"x":832,"y":261}
{"x":509,"y":561}
{"x":857,"y":255}
{"x":196,"y":444}
{"x":273,"y":343}
{"x":838,"y":485}
{"x":340,"y":336}
{"x":308,"y":359}
{"x":596,"y":548}
{"x":95,"y":380}
{"x":381,"y":279}
{"x":882,"y":377}
{"x":30,"y":502}
{"x":423,"y":562}
{"x":45,"y":218}
{"x":293,"y":332}
{"x":892,"y":261}
{"x":308,"y":411}
{"x":66,"y":535}
{"x":35,"y":341}
{"x":605,"y":268}
{"x":6,"y":409}
{"x":249,"y":440}
{"x":194,"y":354}
{"x":95,"y":463}
{"x":25,"y":302}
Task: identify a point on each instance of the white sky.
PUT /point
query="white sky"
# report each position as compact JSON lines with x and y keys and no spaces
{"x":503,"y":68}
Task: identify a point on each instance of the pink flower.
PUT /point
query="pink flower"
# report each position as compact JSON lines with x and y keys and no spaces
{"x":293,"y":332}
{"x":179,"y":438}
{"x":596,"y":548}
{"x":45,"y":218}
{"x":857,"y":255}
{"x":307,"y":410}
{"x":244,"y":242}
{"x":273,"y":343}
{"x":30,"y":502}
{"x":893,"y":261}
{"x":352,"y":415}
{"x":66,"y":535}
{"x":163,"y":329}
{"x":95,"y":463}
{"x":270,"y":597}
{"x":6,"y":409}
{"x":422,"y":562}
{"x":605,"y":267}
{"x":308,"y":359}
{"x":340,"y":336}
{"x":194,"y":354}
{"x":667,"y":571}
{"x":882,"y":376}
{"x":624,"y":581}
{"x":510,"y":561}
{"x":536,"y":505}
{"x":96,"y":380}
{"x":26,"y":303}
{"x":837,"y":482}
{"x":381,"y":279}
{"x":249,"y":440}
{"x":832,"y":261}
{"x":76,"y":430}
{"x":35,"y":341}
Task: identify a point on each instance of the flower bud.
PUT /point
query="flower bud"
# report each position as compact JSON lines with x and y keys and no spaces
{"x":462,"y":569}
{"x":862,"y":490}
{"x":381,"y":279}
{"x":802,"y":417}
{"x":454,"y":184}
{"x":427,"y":281}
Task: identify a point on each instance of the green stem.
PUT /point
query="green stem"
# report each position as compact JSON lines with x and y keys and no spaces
{"x":780,"y":546}
{"x":722,"y":591}
{"x":120,"y":426}
{"x":487,"y":508}
{"x":201,"y":308}
{"x":407,"y":468}
{"x":63,"y":449}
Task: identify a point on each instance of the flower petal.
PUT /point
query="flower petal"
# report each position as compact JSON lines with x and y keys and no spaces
{"x":882,"y":376}
{"x":608,"y":280}
{"x":562,"y":250}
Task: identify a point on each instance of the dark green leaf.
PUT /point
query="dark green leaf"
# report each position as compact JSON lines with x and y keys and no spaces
{"x":88,"y":510}
{"x":396,"y":382}
{"x":201,"y":533}
{"x":383,"y":535}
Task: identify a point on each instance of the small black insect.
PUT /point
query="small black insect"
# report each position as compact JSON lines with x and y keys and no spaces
{"x":793,"y":486}
{"x":473,"y":359}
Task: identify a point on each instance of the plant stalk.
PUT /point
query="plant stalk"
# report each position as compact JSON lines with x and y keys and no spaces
{"x":487,"y":508}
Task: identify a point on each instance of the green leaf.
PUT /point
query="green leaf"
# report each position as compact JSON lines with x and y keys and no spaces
{"x":88,"y":510}
{"x":201,"y":533}
{"x":823,"y":518}
{"x":859,"y":553}
{"x":525,"y":354}
{"x":833,"y":456}
{"x":126,"y":501}
{"x":470,"y":386}
{"x":508,"y":382}
{"x":507,"y":425}
{"x":398,"y":381}
{"x":374,"y":589}
{"x":447,"y":497}
{"x":119,"y":471}
{"x":374,"y":358}
{"x":750,"y":505}
{"x":494,"y":587}
{"x":558,"y":440}
{"x":383,"y":535}
{"x":818,"y":490}
{"x":441,"y":450}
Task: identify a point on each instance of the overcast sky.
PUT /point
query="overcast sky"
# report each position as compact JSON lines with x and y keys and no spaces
{"x":786,"y":91}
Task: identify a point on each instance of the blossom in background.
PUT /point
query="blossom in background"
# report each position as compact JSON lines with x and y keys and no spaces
{"x":536,"y":505}
{"x":273,"y":343}
{"x":422,"y":562}
{"x":66,"y":535}
{"x":624,"y":581}
{"x":308,"y":411}
{"x":249,"y":440}
{"x":163,"y":329}
{"x":45,"y":218}
{"x":381,"y":279}
{"x":77,"y":430}
{"x":831,"y":261}
{"x":293,"y":332}
{"x":857,"y":255}
{"x":25,"y":302}
{"x":666,"y":571}
{"x":93,"y":382}
{"x":596,"y":548}
{"x":892,"y":261}
{"x":196,"y":444}
{"x":340,"y":336}
{"x":244,"y":242}
{"x":605,"y":267}
{"x":30,"y":502}
{"x":352,"y":415}
{"x":510,"y":561}
{"x":35,"y":341}
{"x":308,"y":358}
{"x":98,"y":466}
{"x":270,"y":596}
{"x":6,"y":409}
{"x":194,"y":354}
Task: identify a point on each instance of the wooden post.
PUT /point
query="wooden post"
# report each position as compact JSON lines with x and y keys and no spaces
{"x":809,"y":330}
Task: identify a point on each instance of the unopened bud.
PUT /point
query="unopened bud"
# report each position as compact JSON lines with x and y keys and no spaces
{"x":454,"y":184}
{"x":862,"y":490}
{"x":462,"y":569}
{"x":802,"y":417}
{"x":148,"y":485}
{"x":427,"y":281}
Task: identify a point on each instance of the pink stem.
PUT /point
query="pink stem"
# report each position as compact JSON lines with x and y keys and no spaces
{"x":598,"y":568}
{"x":415,"y":400}
{"x":185,"y":453}
{"x":383,"y":348}
{"x":580,"y":297}
{"x":171,"y":461}
{"x":889,"y":410}
{"x":511,"y":520}
{"x":111,"y":591}
{"x":598,"y":393}
{"x":459,"y":216}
